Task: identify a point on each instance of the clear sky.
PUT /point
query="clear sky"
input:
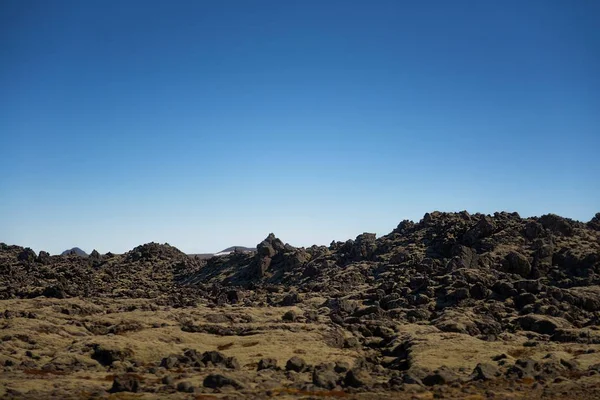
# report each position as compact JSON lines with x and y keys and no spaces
{"x":208,"y":124}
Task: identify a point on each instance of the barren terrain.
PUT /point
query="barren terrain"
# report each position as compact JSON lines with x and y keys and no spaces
{"x":454,"y":306}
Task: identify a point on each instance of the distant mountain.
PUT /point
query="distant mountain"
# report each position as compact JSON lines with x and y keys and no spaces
{"x":238,"y":248}
{"x":241,"y":249}
{"x":76,"y":251}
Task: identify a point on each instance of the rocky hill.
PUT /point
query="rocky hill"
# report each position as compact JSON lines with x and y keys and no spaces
{"x":76,"y":251}
{"x":504,"y":300}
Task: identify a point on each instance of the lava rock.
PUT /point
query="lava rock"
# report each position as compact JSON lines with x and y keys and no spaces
{"x":289,"y":316}
{"x":485,"y":372}
{"x":325,"y":377}
{"x":296,"y":364}
{"x":267,"y":363}
{"x":541,"y":323}
{"x":290,"y":299}
{"x":107,"y":356}
{"x":517,"y":263}
{"x":169,"y":362}
{"x":440,"y":376}
{"x":484,"y":228}
{"x":43,"y":257}
{"x":215,"y":381}
{"x":125,"y":383}
{"x":27,"y":255}
{"x":356,"y":378}
{"x":185,"y":387}
{"x":556,"y":224}
{"x":533,"y":230}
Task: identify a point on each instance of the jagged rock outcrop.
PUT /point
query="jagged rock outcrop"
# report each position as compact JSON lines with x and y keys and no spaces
{"x":594,"y":223}
{"x":444,"y":260}
{"x":400,"y":305}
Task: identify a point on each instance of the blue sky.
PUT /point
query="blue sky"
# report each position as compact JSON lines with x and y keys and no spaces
{"x":207,"y":124}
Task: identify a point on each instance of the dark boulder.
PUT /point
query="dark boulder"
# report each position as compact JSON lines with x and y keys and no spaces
{"x":125,"y":383}
{"x":270,"y":246}
{"x":55,"y":291}
{"x":192,"y":358}
{"x":43,"y":257}
{"x":364,"y":247}
{"x":576,"y":259}
{"x":479,"y":291}
{"x":441,"y":376}
{"x":533,"y":230}
{"x":505,"y":289}
{"x":296,"y":364}
{"x":357,"y":378}
{"x":485,"y":372}
{"x":557,"y":224}
{"x":524,"y":368}
{"x":415,"y":375}
{"x":524,"y":299}
{"x":324,"y":376}
{"x":541,"y":323}
{"x":215,"y":381}
{"x":341,"y":366}
{"x":585,"y":336}
{"x":594,"y":223}
{"x":185,"y":387}
{"x":484,"y":228}
{"x":345,"y":306}
{"x":27,"y":255}
{"x":517,"y":263}
{"x":106,"y":355}
{"x":289,"y":316}
{"x":214,"y":357}
{"x":219,"y":359}
{"x":543,"y":252}
{"x":529,"y":286}
{"x":404,"y":227}
{"x":290,"y":299}
{"x":94,"y":255}
{"x":235,"y":296}
{"x":169,"y":362}
{"x":267,"y":363}
{"x":465,"y":256}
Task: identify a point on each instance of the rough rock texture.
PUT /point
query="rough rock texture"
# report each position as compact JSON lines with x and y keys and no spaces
{"x":455,"y":305}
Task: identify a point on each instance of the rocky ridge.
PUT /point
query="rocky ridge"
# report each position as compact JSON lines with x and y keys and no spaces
{"x":487,"y":282}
